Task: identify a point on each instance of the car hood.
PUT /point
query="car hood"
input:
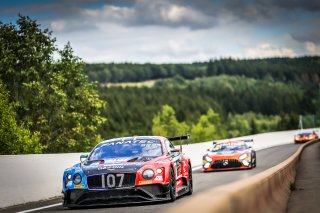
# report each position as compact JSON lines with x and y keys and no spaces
{"x":226,"y":153}
{"x":117,"y":165}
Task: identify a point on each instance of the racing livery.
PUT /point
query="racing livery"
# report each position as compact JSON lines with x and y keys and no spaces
{"x":305,"y":136}
{"x":129,"y":170}
{"x":228,"y":155}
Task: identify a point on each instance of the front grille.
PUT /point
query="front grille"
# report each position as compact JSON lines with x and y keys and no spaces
{"x":94,"y":182}
{"x":111,"y":181}
{"x":227,"y":163}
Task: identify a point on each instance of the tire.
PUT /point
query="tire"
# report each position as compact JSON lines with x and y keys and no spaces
{"x":254,"y":165}
{"x":173,"y":194}
{"x":190,"y":181}
{"x":72,"y":208}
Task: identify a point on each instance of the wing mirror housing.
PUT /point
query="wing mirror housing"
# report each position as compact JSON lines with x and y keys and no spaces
{"x":83,"y":157}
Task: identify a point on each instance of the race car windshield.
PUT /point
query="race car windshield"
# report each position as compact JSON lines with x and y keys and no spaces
{"x":127,"y":149}
{"x":304,"y":134}
{"x":229,"y":147}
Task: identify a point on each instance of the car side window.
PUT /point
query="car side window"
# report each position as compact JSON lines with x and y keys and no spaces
{"x":169,"y":146}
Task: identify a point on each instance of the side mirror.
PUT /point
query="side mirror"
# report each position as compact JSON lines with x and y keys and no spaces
{"x":83,"y":156}
{"x":208,"y":150}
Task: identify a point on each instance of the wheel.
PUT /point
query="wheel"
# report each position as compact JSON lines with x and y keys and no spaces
{"x":254,"y":164}
{"x":173,"y":194}
{"x":72,"y":208}
{"x":190,"y":181}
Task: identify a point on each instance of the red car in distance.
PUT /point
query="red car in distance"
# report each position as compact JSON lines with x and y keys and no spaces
{"x":305,"y":137}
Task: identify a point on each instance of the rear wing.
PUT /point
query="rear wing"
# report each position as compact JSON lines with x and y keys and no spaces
{"x":181,"y":137}
{"x":250,"y":142}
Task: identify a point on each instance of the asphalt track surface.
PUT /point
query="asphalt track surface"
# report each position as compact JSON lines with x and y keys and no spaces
{"x":266,"y":158}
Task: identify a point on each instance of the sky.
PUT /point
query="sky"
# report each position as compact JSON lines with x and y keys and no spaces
{"x":175,"y":31}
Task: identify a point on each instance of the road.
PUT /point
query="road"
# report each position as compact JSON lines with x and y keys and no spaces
{"x":266,"y":158}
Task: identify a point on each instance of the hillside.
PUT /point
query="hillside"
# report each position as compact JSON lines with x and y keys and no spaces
{"x":270,"y":93}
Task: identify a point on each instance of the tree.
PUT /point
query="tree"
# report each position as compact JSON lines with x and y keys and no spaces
{"x":253,"y":127}
{"x":214,"y":118}
{"x":204,"y":130}
{"x":165,"y":123}
{"x":15,"y":139}
{"x":210,"y":68}
{"x":237,"y":125}
{"x":209,"y":127}
{"x":53,"y":96}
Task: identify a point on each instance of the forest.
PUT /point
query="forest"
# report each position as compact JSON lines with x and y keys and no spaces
{"x":244,"y":105}
{"x":303,"y":70}
{"x":52,"y":101}
{"x":249,"y":95}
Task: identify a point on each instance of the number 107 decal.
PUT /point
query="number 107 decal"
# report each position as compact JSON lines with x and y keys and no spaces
{"x":112,"y":180}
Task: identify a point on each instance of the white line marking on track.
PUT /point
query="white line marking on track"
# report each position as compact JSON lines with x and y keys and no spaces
{"x":196,"y":168}
{"x":40,"y":208}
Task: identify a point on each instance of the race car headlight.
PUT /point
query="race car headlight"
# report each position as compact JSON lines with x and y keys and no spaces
{"x":159,"y":171}
{"x":244,"y":156}
{"x":77,"y":179}
{"x":246,"y":163}
{"x":207,"y":158}
{"x":68,"y":177}
{"x":206,"y":165}
{"x":148,"y":174}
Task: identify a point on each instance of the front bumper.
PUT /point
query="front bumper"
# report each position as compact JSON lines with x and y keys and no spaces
{"x":225,"y":169}
{"x":226,"y":164}
{"x":302,"y":140}
{"x":85,"y":197}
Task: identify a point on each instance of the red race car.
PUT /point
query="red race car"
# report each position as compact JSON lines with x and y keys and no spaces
{"x":230,"y":155}
{"x":305,"y":136}
{"x":129,"y":170}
